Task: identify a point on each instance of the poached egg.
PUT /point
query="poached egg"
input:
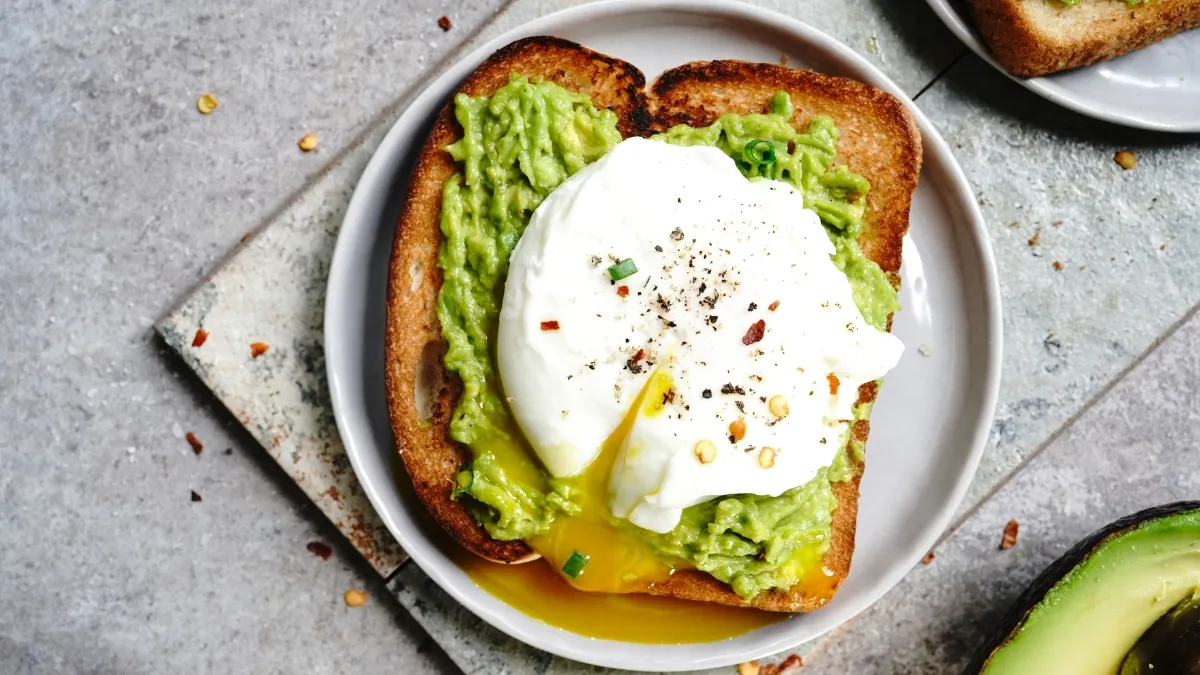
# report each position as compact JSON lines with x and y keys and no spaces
{"x":730,"y":360}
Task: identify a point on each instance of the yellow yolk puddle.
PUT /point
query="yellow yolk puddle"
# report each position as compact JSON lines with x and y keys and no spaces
{"x":617,"y":562}
{"x":602,"y":601}
{"x":541,"y":592}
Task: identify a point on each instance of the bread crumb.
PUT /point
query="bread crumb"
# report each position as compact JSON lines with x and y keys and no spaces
{"x":1058,"y":267}
{"x":928,"y":558}
{"x":257,"y":349}
{"x":308,"y":142}
{"x":1037,"y":235}
{"x":444,"y":23}
{"x":201,"y":336}
{"x":1163,"y":247}
{"x":748,"y":668}
{"x":206,"y":104}
{"x":873,"y":47}
{"x":355,"y":598}
{"x":1126,"y":159}
{"x":925,"y":350}
{"x":1010,"y":535}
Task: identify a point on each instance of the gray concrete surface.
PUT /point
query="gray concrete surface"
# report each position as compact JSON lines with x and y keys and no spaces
{"x":116,"y":197}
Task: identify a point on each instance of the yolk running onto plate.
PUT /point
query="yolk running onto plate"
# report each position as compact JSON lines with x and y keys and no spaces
{"x":617,"y":561}
{"x":540,"y":592}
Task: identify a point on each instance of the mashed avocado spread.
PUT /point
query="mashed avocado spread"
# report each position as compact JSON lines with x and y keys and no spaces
{"x":517,"y":146}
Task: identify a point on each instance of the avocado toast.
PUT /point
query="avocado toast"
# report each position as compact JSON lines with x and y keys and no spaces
{"x":878,"y":140}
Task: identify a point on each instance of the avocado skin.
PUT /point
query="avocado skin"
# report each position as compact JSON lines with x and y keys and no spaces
{"x":1171,"y":646}
{"x":1037,"y":590}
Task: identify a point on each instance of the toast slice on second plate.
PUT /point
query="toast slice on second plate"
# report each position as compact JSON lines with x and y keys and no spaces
{"x":1039,"y":37}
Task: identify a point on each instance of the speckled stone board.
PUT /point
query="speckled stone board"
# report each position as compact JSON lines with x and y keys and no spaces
{"x":269,"y":298}
{"x":1097,"y":264}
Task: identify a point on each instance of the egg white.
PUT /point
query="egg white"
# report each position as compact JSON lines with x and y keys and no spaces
{"x":714,"y":253}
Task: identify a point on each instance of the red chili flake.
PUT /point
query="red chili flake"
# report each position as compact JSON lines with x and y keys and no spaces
{"x":1010,"y":535}
{"x":755,"y":333}
{"x":257,"y":349}
{"x":201,"y":336}
{"x":773,"y":306}
{"x":444,"y":23}
{"x":641,"y":354}
{"x":834,"y":383}
{"x":195,"y":497}
{"x":197,"y":446}
{"x":622,"y":291}
{"x":549,"y":325}
{"x":319,"y":549}
{"x":927,"y":559}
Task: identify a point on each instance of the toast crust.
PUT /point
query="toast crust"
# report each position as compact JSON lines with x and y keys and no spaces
{"x":1038,"y":37}
{"x":879,"y":140}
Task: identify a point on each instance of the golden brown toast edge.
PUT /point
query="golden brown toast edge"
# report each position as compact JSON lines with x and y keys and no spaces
{"x":878,"y":139}
{"x":1022,"y":42}
{"x":414,"y":337}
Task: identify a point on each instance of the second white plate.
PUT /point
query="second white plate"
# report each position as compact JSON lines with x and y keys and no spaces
{"x":1154,"y":88}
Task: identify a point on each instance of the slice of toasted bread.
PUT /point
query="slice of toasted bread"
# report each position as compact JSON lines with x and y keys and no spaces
{"x":879,"y":140}
{"x":421,"y":395}
{"x":1038,"y":37}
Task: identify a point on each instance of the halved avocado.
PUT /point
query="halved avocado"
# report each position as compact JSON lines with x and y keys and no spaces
{"x":1085,"y":613}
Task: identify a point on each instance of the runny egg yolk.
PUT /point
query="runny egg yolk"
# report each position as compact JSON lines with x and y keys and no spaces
{"x":617,"y":562}
{"x":618,"y":566}
{"x":603,"y":601}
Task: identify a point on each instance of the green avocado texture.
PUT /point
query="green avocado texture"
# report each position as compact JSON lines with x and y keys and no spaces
{"x":1090,"y":608}
{"x":518,"y":145}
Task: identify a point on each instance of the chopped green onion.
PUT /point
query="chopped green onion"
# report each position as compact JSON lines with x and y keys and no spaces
{"x":623,"y":269}
{"x":759,"y":151}
{"x":463,"y":480}
{"x":575,"y":563}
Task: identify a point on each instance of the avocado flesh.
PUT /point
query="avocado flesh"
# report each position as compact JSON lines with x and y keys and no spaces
{"x":1171,"y":646}
{"x":1093,"y":616}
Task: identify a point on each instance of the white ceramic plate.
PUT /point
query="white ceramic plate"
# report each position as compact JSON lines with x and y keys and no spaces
{"x":1154,"y":88}
{"x":928,"y":428}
